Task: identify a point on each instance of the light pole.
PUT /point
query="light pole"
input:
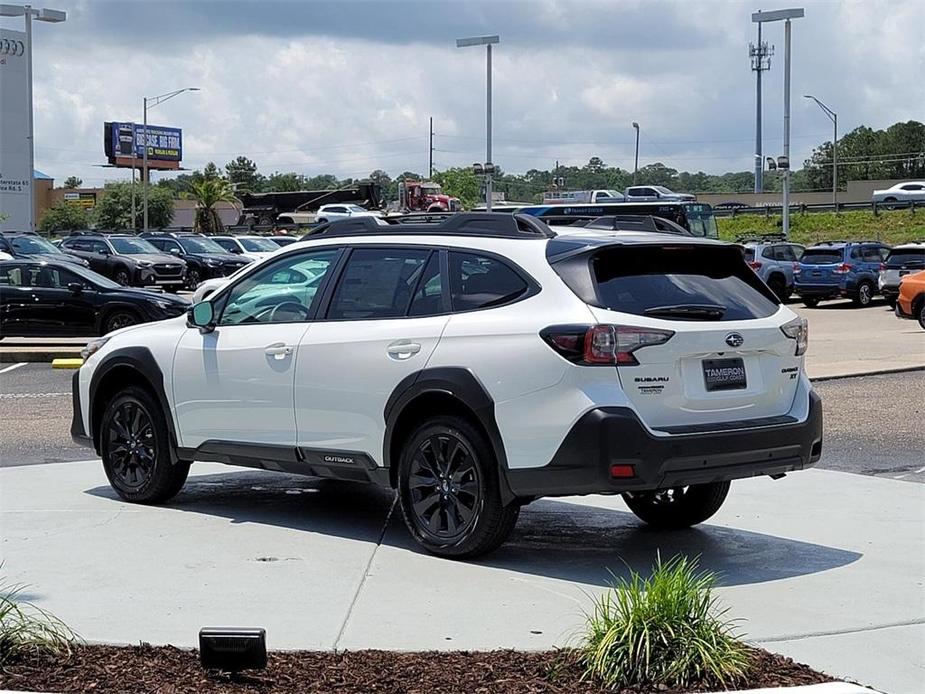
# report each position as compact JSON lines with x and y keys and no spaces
{"x":42,"y":15}
{"x":486,"y":41}
{"x":834,"y":118}
{"x":155,"y":100}
{"x":636,"y":165}
{"x":776,"y":16}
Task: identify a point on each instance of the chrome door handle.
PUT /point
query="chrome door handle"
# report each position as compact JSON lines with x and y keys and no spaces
{"x":278,"y":351}
{"x":403,"y":348}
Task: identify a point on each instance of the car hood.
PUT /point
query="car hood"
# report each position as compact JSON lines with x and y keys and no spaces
{"x":159,"y":258}
{"x":64,"y":257}
{"x":131,"y":293}
{"x":232,"y":258}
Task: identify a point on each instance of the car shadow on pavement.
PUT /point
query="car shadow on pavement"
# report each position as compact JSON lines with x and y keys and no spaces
{"x":554,"y":538}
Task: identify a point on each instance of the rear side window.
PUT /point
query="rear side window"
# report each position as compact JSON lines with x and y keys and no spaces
{"x":377,"y":283}
{"x":748,"y":253}
{"x":482,"y":282}
{"x":428,"y":297}
{"x":822,"y":256}
{"x":905,"y":256}
{"x":680,"y":283}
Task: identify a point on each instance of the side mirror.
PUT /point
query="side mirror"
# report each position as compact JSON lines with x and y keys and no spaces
{"x":175,"y":251}
{"x":75,"y":287}
{"x":105,"y":253}
{"x":202,"y":316}
{"x":236,"y":250}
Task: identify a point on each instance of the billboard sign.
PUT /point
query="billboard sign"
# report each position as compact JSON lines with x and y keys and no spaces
{"x":123,"y":141}
{"x":84,"y":200}
{"x":15,"y":174}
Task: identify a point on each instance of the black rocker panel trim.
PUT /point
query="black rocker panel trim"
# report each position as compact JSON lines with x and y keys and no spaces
{"x":351,"y":466}
{"x":78,"y":434}
{"x":142,"y":361}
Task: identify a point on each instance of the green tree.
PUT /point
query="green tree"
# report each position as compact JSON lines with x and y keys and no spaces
{"x":114,"y":207}
{"x":73,"y":182}
{"x":658,"y":174}
{"x":284,"y":182}
{"x":211,"y":171}
{"x":243,"y":172}
{"x":207,"y":194}
{"x":64,"y":217}
{"x":462,"y":183}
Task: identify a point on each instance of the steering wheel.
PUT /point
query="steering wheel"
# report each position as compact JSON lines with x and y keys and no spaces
{"x":293,"y":307}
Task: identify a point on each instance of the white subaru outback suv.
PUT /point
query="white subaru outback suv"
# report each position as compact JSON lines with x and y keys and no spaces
{"x":474,"y":365}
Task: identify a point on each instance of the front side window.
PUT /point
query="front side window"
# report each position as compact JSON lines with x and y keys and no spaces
{"x":282,"y":292}
{"x":194,"y":245}
{"x":228,"y":244}
{"x":11,"y":275}
{"x":481,"y":282}
{"x":100,"y":247}
{"x":378,"y":283}
{"x":45,"y":277}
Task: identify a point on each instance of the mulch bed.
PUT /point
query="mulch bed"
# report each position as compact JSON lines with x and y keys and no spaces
{"x":166,"y":669}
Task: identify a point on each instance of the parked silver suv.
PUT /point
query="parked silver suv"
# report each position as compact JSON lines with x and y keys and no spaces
{"x":901,"y":261}
{"x":774,"y":260}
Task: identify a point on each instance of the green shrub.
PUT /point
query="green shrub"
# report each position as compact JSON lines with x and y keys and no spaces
{"x":664,"y":629}
{"x":64,"y":217}
{"x":26,"y":629}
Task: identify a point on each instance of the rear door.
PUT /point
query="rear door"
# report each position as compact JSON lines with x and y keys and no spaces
{"x":727,"y":360}
{"x":384,"y":319}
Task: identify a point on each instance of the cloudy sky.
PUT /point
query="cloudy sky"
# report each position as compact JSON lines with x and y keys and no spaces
{"x":347,"y":87}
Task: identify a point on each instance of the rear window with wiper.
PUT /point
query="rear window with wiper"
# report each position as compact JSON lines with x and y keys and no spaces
{"x":703,"y":283}
{"x":822,"y":256}
{"x":900,"y":257}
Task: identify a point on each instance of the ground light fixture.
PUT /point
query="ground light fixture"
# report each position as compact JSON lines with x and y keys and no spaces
{"x":233,"y":648}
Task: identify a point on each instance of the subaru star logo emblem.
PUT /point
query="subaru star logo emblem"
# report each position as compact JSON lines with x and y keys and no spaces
{"x":734,"y":340}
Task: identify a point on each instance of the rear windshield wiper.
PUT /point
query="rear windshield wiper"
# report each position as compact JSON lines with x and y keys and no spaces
{"x":701,"y":311}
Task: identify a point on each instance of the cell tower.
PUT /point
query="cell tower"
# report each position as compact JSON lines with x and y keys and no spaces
{"x":760,"y":55}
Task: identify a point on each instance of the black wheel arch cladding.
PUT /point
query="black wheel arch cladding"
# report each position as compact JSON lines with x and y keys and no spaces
{"x":461,"y":386}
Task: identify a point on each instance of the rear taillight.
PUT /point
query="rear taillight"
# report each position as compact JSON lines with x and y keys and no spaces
{"x":796,"y":269}
{"x":797,"y":329}
{"x":754,"y":264}
{"x":842,"y":269}
{"x":602,"y":345}
{"x":882,"y":267}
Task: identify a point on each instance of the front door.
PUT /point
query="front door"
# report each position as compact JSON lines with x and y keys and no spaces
{"x":386,"y":315}
{"x":58,"y":307}
{"x":234,"y":384}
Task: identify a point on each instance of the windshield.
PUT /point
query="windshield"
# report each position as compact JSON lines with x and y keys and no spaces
{"x":32,"y":245}
{"x":701,"y":221}
{"x":194,"y":245}
{"x":132,"y":246}
{"x":431,"y":190}
{"x":822,"y":256}
{"x":663,"y":189}
{"x":258,"y":245}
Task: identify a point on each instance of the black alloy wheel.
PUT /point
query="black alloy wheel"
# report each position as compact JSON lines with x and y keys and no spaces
{"x":193,"y":278}
{"x":131,"y":445}
{"x":922,"y":313}
{"x":445,"y":487}
{"x":122,"y":277}
{"x":120,"y":319}
{"x":135,"y":448}
{"x":810,"y":303}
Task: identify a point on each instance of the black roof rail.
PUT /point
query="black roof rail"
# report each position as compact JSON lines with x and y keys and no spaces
{"x":24,"y":232}
{"x":769,"y":236}
{"x":491,"y":224}
{"x":637,"y":222}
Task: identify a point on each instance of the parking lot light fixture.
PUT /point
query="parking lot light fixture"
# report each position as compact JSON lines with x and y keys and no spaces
{"x":488,"y":42}
{"x":636,"y":165}
{"x":151,"y":102}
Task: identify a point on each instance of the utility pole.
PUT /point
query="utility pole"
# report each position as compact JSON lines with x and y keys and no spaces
{"x":636,"y":164}
{"x":760,"y":55}
{"x":430,"y":167}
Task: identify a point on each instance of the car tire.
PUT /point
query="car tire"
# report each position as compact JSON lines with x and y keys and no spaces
{"x":778,"y":285}
{"x":891,"y":303}
{"x":172,"y":288}
{"x":449,"y":490}
{"x":134,"y":445}
{"x":811,"y":303}
{"x":864,"y":294}
{"x":921,"y":313}
{"x":123,"y":277}
{"x":322,"y":221}
{"x":193,"y":278}
{"x":682,"y":507}
{"x":120,"y":318}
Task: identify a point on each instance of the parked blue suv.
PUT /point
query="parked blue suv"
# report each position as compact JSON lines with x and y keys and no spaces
{"x":840,"y":269}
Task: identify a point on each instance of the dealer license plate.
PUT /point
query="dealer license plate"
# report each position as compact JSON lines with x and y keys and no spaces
{"x":724,"y":374}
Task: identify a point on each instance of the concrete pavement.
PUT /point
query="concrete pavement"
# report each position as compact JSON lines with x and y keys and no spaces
{"x":824,"y":566}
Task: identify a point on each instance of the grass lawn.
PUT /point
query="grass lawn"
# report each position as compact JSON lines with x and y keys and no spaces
{"x":892,"y":227}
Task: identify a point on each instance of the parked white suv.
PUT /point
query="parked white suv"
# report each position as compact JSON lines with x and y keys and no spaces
{"x":474,"y":365}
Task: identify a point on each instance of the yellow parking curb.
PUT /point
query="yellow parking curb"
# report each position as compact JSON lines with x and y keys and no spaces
{"x":67,"y":363}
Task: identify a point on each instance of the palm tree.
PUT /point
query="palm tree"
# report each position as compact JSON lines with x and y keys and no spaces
{"x":208,"y":193}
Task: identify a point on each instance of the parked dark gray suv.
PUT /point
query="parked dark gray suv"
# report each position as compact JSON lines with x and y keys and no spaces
{"x":128,"y":260}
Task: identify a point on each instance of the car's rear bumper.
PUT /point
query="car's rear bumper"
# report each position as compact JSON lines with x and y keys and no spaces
{"x":610,"y":436}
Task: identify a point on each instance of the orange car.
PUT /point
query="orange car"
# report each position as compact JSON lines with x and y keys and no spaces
{"x":911,"y":301}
